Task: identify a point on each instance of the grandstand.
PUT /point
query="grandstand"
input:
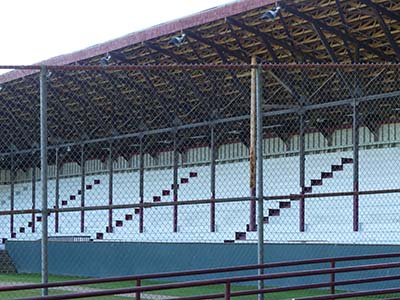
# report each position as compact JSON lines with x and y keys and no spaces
{"x":140,"y":124}
{"x":326,"y":220}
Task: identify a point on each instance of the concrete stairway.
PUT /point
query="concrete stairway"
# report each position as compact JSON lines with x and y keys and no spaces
{"x":157,"y":198}
{"x":276,"y":212}
{"x":6,"y":264}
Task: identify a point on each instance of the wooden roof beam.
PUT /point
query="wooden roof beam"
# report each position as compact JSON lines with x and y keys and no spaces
{"x":194,"y":87}
{"x":221,"y":52}
{"x":132,"y":83}
{"x":337,"y":32}
{"x":211,"y":75}
{"x":188,"y":82}
{"x":87,"y":104}
{"x":268,"y":40}
{"x":275,"y":58}
{"x":118,"y":104}
{"x":382,"y":9}
{"x":237,"y":39}
{"x":343,"y":19}
{"x":65,"y":112}
{"x":179,"y":59}
{"x":290,"y":37}
{"x":387,"y":32}
{"x":28,"y":108}
{"x":16,"y":124}
{"x":160,"y":98}
{"x":168,"y":53}
{"x":219,"y":48}
{"x":330,"y":52}
{"x":326,"y":44}
{"x":189,"y":42}
{"x":152,"y":89}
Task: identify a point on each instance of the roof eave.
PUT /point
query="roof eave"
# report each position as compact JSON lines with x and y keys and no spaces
{"x":197,"y":19}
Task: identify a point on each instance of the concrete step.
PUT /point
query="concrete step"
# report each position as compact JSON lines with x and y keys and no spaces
{"x":6,"y":264}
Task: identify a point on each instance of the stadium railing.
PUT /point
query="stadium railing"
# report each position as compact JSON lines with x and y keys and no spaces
{"x":330,"y":270}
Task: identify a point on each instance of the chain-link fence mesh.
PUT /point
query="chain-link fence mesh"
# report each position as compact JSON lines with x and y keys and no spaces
{"x":163,"y":155}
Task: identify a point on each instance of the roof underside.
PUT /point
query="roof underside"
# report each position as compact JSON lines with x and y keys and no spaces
{"x":87,"y":104}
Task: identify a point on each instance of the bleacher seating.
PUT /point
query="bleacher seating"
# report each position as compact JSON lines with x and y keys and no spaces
{"x":326,"y":219}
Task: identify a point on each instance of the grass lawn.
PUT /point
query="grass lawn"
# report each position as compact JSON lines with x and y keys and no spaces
{"x":212,"y":289}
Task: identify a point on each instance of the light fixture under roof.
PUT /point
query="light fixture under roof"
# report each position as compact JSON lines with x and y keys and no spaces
{"x":198,"y":137}
{"x":105,"y":60}
{"x":164,"y":142}
{"x":270,"y":14}
{"x":234,"y":132}
{"x":272,"y":126}
{"x":177,"y":40}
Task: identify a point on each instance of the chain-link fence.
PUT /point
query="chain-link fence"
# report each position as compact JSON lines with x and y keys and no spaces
{"x":171,"y":155}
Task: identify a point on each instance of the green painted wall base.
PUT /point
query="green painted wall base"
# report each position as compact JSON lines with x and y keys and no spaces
{"x":105,"y":259}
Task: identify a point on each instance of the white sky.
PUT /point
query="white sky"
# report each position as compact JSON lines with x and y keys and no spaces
{"x":35,"y":30}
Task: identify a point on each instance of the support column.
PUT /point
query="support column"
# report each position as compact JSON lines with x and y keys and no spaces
{"x":260,"y":182}
{"x":175,"y":190}
{"x":212,"y":179}
{"x":141,"y":184}
{"x":33,"y":187}
{"x":43,"y":174}
{"x":83,"y":187}
{"x":253,"y":117}
{"x":355,"y":167}
{"x":12,"y":185}
{"x":302,"y":162}
{"x":57,"y":204}
{"x":110,"y":188}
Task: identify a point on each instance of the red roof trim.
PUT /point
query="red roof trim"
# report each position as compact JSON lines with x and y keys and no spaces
{"x":147,"y":34}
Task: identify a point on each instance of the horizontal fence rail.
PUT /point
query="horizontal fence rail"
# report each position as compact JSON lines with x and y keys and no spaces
{"x":204,"y":201}
{"x":237,"y":279}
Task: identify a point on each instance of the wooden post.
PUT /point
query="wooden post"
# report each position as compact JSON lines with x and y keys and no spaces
{"x":253,"y":118}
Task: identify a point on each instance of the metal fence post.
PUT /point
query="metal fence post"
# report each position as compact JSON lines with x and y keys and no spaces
{"x":355,"y":168}
{"x":302,"y":162}
{"x":227,"y":290}
{"x":141,"y":183}
{"x":175,"y":180}
{"x":333,"y":265}
{"x":57,"y":204}
{"x":33,"y":186}
{"x":43,"y":174}
{"x":212,"y":179}
{"x":110,"y":187}
{"x":12,"y":185}
{"x":83,"y":179}
{"x":138,"y":284}
{"x":259,"y":173}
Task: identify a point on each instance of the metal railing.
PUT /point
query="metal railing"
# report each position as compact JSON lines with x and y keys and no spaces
{"x":331,"y":270}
